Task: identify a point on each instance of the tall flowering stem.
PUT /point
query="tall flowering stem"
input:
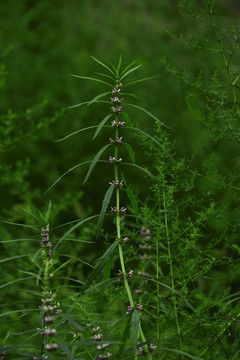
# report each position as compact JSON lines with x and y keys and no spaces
{"x":120,"y":211}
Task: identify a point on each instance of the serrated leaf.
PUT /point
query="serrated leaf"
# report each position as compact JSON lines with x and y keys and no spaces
{"x":94,"y":161}
{"x":106,"y":200}
{"x":130,"y":151}
{"x":148,"y":113}
{"x":134,"y":329}
{"x":104,"y":65}
{"x":129,"y":72}
{"x":102,"y":261}
{"x":90,"y":78}
{"x":98,"y":97}
{"x":99,"y":127}
{"x":76,"y":132}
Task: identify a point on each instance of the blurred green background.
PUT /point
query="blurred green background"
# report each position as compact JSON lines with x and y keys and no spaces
{"x":42,"y":43}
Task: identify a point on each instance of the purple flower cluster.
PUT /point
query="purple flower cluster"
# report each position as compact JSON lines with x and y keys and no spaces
{"x":130,"y":308}
{"x":45,"y":244}
{"x":113,"y":183}
{"x":151,"y":347}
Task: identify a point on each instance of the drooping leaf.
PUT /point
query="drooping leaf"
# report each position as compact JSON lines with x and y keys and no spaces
{"x":68,"y":171}
{"x":129,"y":72}
{"x":101,"y":124}
{"x":134,"y":329}
{"x":94,"y":161}
{"x":71,"y":230}
{"x":144,"y":170}
{"x":76,"y":132}
{"x":127,"y":119}
{"x":130,"y":151}
{"x":102,"y":261}
{"x":87,"y":102}
{"x":14,"y":257}
{"x":93,"y":79}
{"x":104,"y":65}
{"x":148,"y":113}
{"x":105,"y":203}
{"x":15,"y":281}
{"x":152,"y":138}
{"x":106,"y":275}
{"x":133,"y":200}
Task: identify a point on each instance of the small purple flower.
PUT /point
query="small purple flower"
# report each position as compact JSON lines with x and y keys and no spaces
{"x":113,"y":209}
{"x":137,"y":291}
{"x":125,"y":239}
{"x":111,"y":159}
{"x":123,"y":210}
{"x":121,"y":123}
{"x":119,"y":160}
{"x":105,"y":346}
{"x":129,"y":309}
{"x":113,"y":109}
{"x":139,"y":307}
{"x":111,"y":141}
{"x":119,"y":272}
{"x":96,"y":329}
{"x":119,"y":140}
{"x":119,"y":109}
{"x":153,"y":347}
{"x":97,"y":337}
{"x":114,"y":91}
{"x":140,"y":350}
{"x":130,"y":273}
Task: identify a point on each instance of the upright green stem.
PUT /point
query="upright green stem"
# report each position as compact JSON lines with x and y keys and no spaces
{"x":171,"y":272}
{"x":118,"y":225}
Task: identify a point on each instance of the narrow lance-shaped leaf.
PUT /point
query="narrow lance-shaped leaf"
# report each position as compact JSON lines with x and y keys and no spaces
{"x":124,"y":339}
{"x":128,"y":66}
{"x":71,"y":230}
{"x":104,"y":65}
{"x":129,"y":72}
{"x":94,"y":161}
{"x":105,"y":75}
{"x":76,"y":132}
{"x":130,"y":151}
{"x":148,"y":113}
{"x":102,"y":261}
{"x":144,"y":79}
{"x":98,"y":97}
{"x":105,"y":203}
{"x":68,"y":171}
{"x":101,"y":124}
{"x":119,"y":63}
{"x":93,"y":79}
{"x":144,"y":170}
{"x":183,"y":353}
{"x":134,"y":329}
{"x":65,"y":348}
{"x":87,"y":102}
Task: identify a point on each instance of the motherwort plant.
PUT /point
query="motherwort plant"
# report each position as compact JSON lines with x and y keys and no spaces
{"x":118,"y":119}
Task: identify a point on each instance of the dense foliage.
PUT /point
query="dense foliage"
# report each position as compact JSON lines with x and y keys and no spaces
{"x":119,"y":184}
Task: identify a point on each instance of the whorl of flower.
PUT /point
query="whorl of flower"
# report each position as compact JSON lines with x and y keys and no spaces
{"x":116,"y":100}
{"x":139,"y":307}
{"x":120,"y":183}
{"x":97,"y":337}
{"x":130,"y":273}
{"x":52,"y":346}
{"x":129,"y":309}
{"x":45,"y":243}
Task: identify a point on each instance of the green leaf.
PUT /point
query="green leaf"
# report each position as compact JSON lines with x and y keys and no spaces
{"x":68,"y":171}
{"x":130,"y":151}
{"x":184,"y":353}
{"x":14,"y":257}
{"x":22,"y":225}
{"x":144,"y":170}
{"x":48,"y":211}
{"x":65,"y":348}
{"x":105,"y":75}
{"x":93,"y":79}
{"x":133,"y":201}
{"x":134,"y":329}
{"x":87,"y":103}
{"x":104,"y":65}
{"x":127,"y":67}
{"x":102,"y":261}
{"x":124,"y":339}
{"x":105,"y":203}
{"x":148,"y":113}
{"x":106,"y":275}
{"x":76,"y":132}
{"x":127,"y":119}
{"x":15,"y":281}
{"x":94,"y":161}
{"x":119,"y":63}
{"x":129,"y":72}
{"x":98,"y":97}
{"x":152,"y":138}
{"x":137,"y":81}
{"x":102,"y":123}
{"x":76,"y":258}
{"x":71,"y":230}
